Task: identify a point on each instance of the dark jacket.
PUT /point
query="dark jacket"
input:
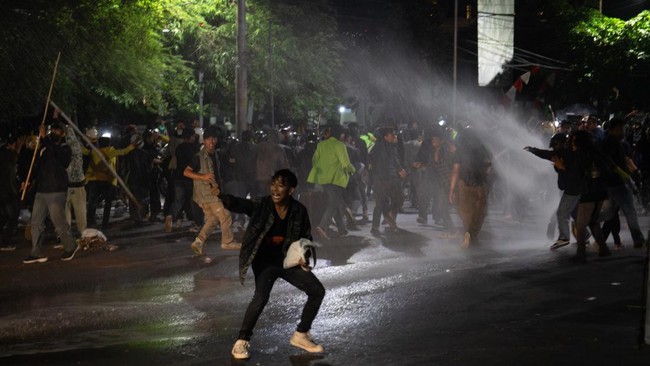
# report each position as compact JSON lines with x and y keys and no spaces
{"x":385,"y":161}
{"x":240,"y":161}
{"x":261,"y":219}
{"x":564,"y":181}
{"x":614,"y":152}
{"x":51,"y":175}
{"x":576,"y":179}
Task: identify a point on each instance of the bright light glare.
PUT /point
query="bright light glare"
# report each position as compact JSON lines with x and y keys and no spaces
{"x":341,"y":109}
{"x":442,"y":122}
{"x":106,"y":134}
{"x":557,"y":124}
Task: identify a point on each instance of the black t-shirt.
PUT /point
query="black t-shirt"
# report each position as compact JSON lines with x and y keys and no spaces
{"x":184,"y":154}
{"x":270,"y":251}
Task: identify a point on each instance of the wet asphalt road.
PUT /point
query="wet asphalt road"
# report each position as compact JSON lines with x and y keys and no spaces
{"x":406,"y":299}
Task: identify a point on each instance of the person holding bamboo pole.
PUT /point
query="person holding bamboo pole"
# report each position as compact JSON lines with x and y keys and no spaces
{"x":51,"y":185}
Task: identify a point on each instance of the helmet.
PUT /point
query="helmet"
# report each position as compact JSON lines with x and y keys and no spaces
{"x":92,"y":134}
{"x":558,"y":139}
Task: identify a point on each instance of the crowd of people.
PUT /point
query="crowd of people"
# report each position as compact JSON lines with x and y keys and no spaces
{"x":596,"y":167}
{"x":277,"y":182}
{"x":175,"y":173}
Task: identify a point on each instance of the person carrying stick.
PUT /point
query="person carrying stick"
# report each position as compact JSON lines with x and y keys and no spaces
{"x":51,"y":185}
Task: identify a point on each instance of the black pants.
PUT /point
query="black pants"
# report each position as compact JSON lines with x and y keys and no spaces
{"x":388,"y":200}
{"x":265,"y":277}
{"x":613,"y":226}
{"x":98,"y":190}
{"x":154,"y":198}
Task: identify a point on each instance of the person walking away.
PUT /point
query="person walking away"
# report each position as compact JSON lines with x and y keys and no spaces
{"x":76,"y":199}
{"x":51,"y":184}
{"x":387,"y":173}
{"x":276,"y":221}
{"x":332,"y":170}
{"x":619,"y":188}
{"x":10,"y":147}
{"x":204,"y":172}
{"x":183,"y":186}
{"x":469,"y":182}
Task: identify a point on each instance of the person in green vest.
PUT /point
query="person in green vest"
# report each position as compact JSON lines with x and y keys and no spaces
{"x":332,"y":170}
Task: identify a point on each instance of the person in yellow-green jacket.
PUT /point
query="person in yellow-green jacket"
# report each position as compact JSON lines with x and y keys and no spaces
{"x":101,"y":182}
{"x":332,"y":170}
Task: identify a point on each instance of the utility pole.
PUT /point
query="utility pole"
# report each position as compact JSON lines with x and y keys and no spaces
{"x":201,"y":94}
{"x":241,"y":85}
{"x":455,"y":72}
{"x":272,"y":102}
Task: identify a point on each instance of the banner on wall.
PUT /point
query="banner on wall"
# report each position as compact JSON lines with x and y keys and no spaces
{"x":496,"y":34}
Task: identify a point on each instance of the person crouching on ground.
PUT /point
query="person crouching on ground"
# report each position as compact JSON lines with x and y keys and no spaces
{"x":276,"y":221}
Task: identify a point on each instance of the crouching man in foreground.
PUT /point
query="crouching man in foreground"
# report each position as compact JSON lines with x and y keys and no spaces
{"x":276,"y":221}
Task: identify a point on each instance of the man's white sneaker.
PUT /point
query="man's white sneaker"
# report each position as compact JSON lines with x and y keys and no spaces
{"x":231,"y":246}
{"x":240,"y":350}
{"x":197,"y":247}
{"x":304,"y":341}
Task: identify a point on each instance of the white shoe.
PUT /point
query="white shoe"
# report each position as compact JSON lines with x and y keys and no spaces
{"x":240,"y":350}
{"x":304,"y":341}
{"x":197,"y":247}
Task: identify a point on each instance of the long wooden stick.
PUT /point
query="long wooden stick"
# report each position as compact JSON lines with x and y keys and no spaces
{"x":99,"y":153}
{"x":38,"y":140}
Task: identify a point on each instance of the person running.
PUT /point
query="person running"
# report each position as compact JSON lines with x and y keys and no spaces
{"x":276,"y":221}
{"x":469,"y":182}
{"x":204,"y":171}
{"x":332,"y":169}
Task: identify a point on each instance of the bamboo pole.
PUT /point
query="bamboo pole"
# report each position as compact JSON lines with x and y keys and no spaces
{"x":38,"y":140}
{"x":94,"y":148}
